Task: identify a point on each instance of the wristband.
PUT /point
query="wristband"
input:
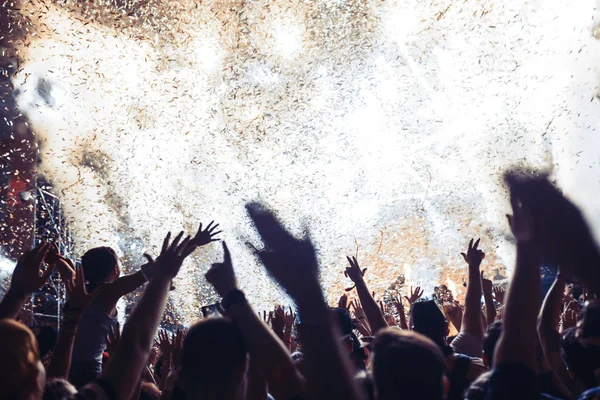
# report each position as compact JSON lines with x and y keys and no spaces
{"x":235,"y":297}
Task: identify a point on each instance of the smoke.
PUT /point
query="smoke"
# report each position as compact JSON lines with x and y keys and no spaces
{"x":382,"y":127}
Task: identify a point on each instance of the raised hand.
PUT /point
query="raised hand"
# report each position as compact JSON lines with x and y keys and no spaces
{"x":353,"y":271}
{"x":164,"y":344}
{"x":27,"y":276}
{"x":278,"y":321}
{"x":290,"y":261}
{"x":77,"y":296}
{"x":499,"y":294}
{"x":290,"y":319}
{"x":204,"y":236}
{"x":62,"y":264}
{"x":414,"y":295}
{"x":473,"y":256}
{"x":222,"y":275}
{"x":177,"y":347}
{"x":171,"y":257}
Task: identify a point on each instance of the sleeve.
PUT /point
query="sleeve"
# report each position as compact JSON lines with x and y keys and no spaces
{"x":513,"y":381}
{"x":467,"y":344}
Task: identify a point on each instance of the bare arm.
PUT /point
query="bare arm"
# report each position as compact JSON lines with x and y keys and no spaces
{"x":490,"y":307}
{"x":110,"y":294}
{"x":125,"y":367}
{"x":471,"y":322}
{"x":549,"y":336}
{"x":267,"y":351}
{"x":517,"y":343}
{"x":78,"y":299}
{"x":292,"y":262}
{"x":371,"y":308}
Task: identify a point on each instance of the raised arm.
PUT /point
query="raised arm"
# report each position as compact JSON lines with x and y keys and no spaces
{"x":78,"y":299}
{"x":292,"y":262}
{"x":471,"y":322}
{"x":517,"y":343}
{"x":550,"y":337}
{"x":125,"y":367}
{"x":109,"y":295}
{"x":26,"y":279}
{"x":372,"y":310}
{"x":490,"y":307}
{"x":267,"y":351}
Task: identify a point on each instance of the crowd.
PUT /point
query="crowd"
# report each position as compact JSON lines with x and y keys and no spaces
{"x":515,"y":344}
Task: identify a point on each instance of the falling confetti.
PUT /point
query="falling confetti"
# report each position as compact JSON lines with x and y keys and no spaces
{"x":382,"y":126}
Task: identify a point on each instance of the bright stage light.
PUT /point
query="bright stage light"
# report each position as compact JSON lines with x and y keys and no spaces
{"x":382,"y":126}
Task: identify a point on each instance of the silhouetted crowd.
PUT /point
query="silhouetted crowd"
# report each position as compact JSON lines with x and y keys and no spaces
{"x":502,"y":343}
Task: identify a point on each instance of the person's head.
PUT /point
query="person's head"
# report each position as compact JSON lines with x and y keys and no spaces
{"x":582,"y":361}
{"x":428,"y":320}
{"x":478,"y":389}
{"x":59,"y":389}
{"x":489,"y":342}
{"x":100,"y":265}
{"x":407,"y":365}
{"x":215,"y":359}
{"x":22,"y":375}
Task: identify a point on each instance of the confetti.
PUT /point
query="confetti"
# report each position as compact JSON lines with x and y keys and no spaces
{"x":383,"y":127}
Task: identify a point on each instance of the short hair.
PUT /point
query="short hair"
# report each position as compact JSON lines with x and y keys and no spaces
{"x":581,"y":360}
{"x":478,"y":389}
{"x":492,"y":334}
{"x":213,"y":350}
{"x":98,"y":264}
{"x":429,"y":321}
{"x":408,"y":365}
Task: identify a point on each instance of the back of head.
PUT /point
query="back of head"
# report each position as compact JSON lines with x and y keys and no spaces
{"x":489,"y":341}
{"x":59,"y":389}
{"x":479,"y":387}
{"x":429,"y":321}
{"x":581,"y":360}
{"x":214,"y":354}
{"x":99,"y":264}
{"x":407,"y":365}
{"x":20,"y":368}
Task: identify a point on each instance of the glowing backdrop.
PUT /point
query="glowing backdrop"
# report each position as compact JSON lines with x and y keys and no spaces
{"x":382,"y":126}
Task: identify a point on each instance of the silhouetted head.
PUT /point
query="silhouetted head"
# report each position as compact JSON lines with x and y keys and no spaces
{"x":429,"y":321}
{"x":489,"y":342}
{"x":100,"y":265}
{"x":215,"y":358}
{"x":407,"y":365}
